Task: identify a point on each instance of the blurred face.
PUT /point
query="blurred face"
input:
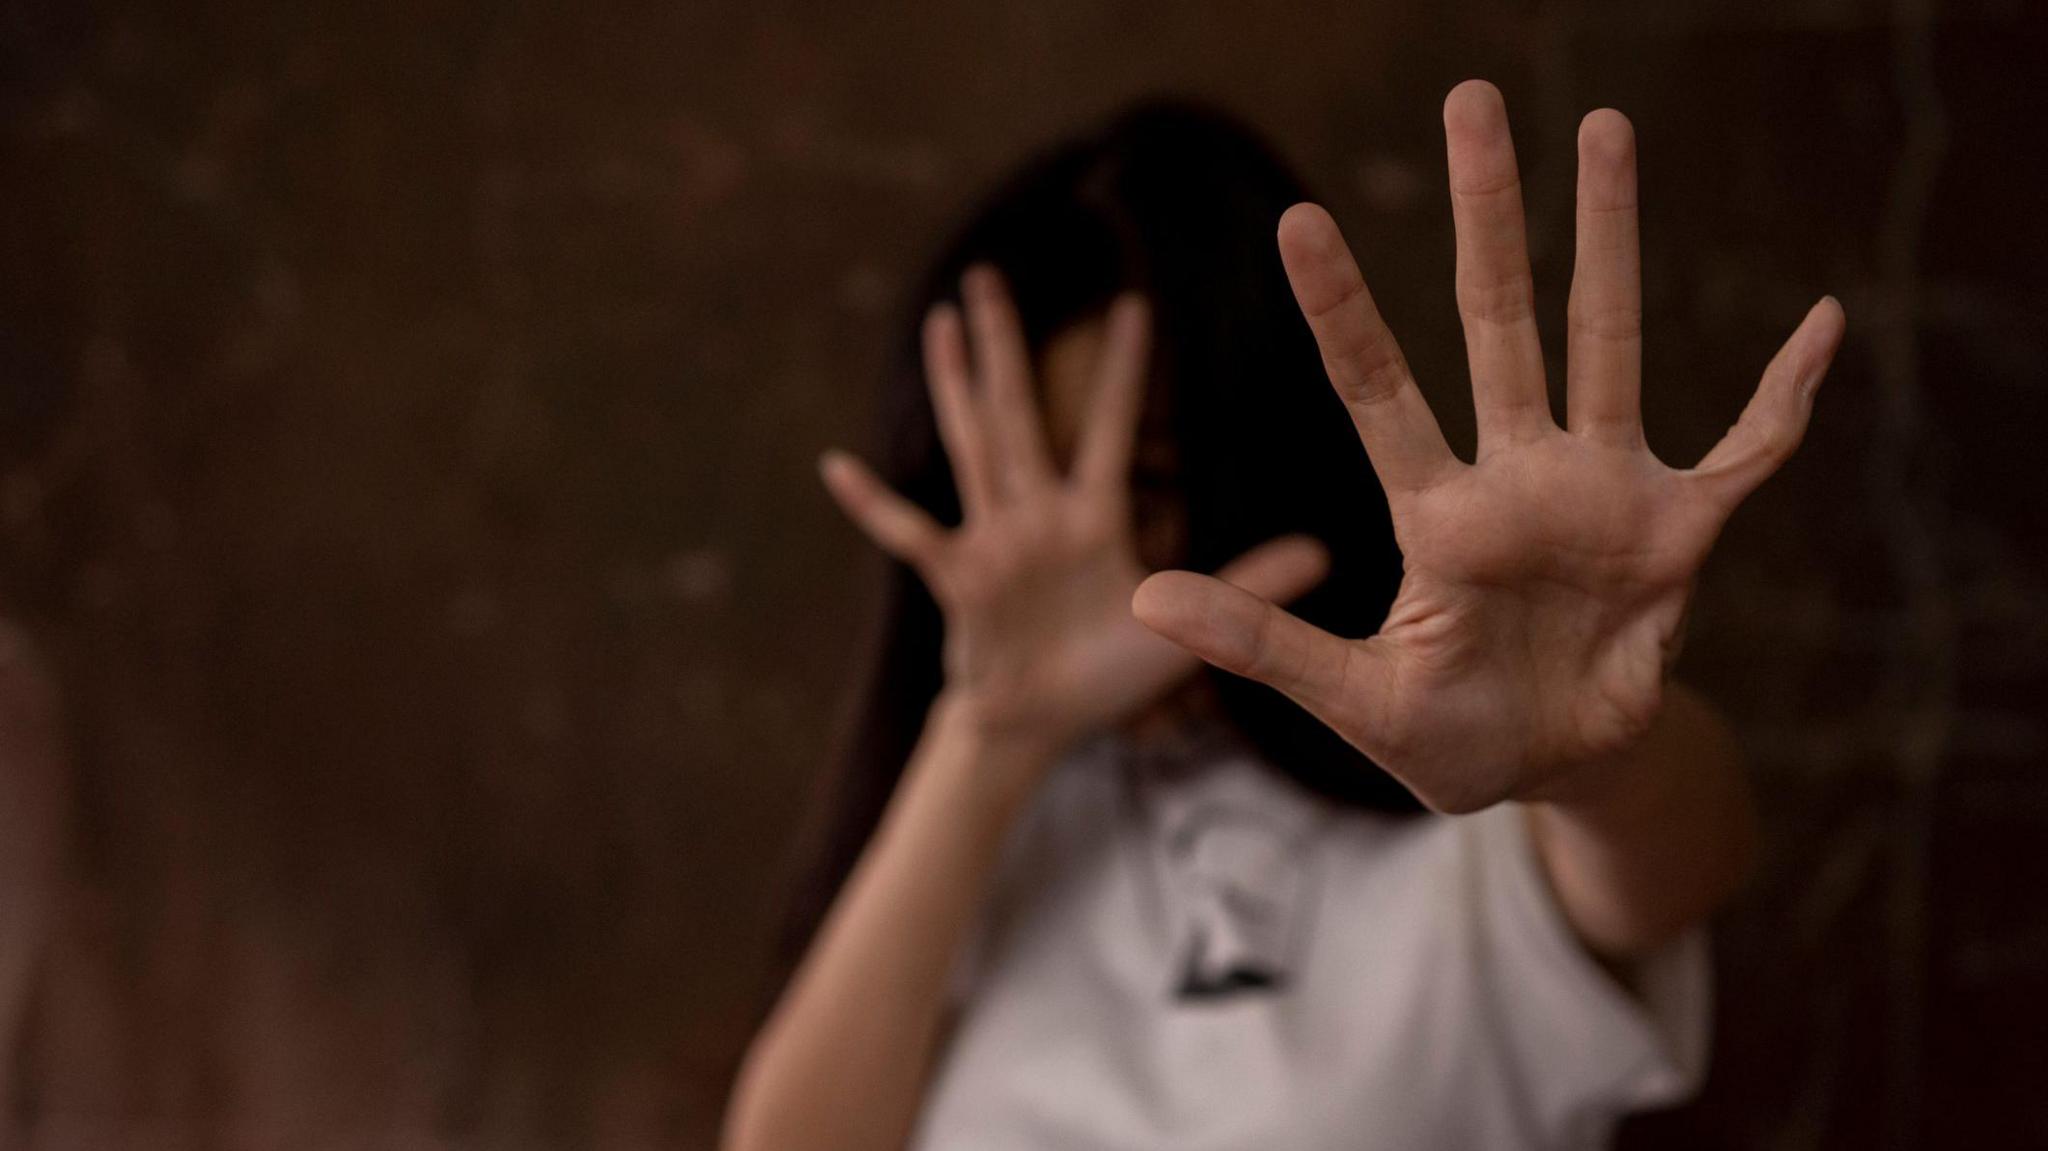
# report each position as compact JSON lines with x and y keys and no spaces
{"x":1068,"y":372}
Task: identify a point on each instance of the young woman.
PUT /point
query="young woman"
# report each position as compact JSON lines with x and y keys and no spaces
{"x":1104,"y":901}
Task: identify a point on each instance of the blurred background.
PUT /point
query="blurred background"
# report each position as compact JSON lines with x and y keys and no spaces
{"x":407,"y":415}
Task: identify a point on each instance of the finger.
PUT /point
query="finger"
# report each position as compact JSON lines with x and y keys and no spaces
{"x":1604,"y":353}
{"x":953,"y":403}
{"x":1103,"y":458}
{"x":1003,"y":367}
{"x":897,"y":526}
{"x":1774,"y":421}
{"x":1364,"y":363}
{"x":1340,"y":682}
{"x":1495,"y":298}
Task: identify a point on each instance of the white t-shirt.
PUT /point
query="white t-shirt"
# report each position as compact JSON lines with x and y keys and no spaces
{"x":1210,"y":956}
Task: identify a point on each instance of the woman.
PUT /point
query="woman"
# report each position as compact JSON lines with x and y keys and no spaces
{"x":1109,"y":903}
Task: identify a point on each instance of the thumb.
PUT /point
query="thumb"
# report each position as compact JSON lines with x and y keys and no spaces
{"x":1234,"y":628}
{"x":1240,"y":632}
{"x":1223,"y":617}
{"x":1280,"y":569}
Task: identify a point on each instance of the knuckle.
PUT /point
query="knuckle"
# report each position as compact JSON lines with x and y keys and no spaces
{"x":1353,"y":288}
{"x":1262,"y":658}
{"x":1771,"y":438}
{"x":1376,"y":383}
{"x":1503,"y":299}
{"x":1604,"y":321}
{"x":1484,"y":187}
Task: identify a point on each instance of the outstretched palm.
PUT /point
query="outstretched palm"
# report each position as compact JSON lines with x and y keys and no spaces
{"x":1035,"y":584}
{"x":1546,"y":582}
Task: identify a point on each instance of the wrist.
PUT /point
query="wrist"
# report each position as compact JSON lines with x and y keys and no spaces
{"x":1647,"y":842}
{"x":1626,"y":779}
{"x":1004,"y":760}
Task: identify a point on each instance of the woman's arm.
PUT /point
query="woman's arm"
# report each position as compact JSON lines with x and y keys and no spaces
{"x":1652,"y":841}
{"x":842,"y":1062}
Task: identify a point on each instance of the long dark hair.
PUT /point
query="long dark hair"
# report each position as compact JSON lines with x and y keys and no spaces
{"x":1180,"y":203}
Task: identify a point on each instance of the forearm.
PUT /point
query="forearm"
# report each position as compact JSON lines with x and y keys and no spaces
{"x":843,"y":1060}
{"x":1645,"y":846}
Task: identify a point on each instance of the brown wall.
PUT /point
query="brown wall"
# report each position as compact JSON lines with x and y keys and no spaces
{"x":405,"y":464}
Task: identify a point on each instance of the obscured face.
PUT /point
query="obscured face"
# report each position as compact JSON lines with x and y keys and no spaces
{"x":1068,"y":370}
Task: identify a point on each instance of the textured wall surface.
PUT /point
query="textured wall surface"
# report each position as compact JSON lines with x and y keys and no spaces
{"x":406,"y":424}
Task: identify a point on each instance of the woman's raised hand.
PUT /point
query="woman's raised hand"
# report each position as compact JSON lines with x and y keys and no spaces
{"x":1546,"y":583}
{"x":1035,"y":584}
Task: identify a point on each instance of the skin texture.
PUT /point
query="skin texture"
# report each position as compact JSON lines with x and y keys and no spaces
{"x":1525,"y":658}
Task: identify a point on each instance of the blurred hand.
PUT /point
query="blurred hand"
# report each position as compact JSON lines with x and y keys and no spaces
{"x":1036,"y":583}
{"x":1545,"y":583}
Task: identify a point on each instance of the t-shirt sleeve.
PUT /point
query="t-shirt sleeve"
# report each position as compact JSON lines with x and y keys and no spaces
{"x":1594,"y":1049}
